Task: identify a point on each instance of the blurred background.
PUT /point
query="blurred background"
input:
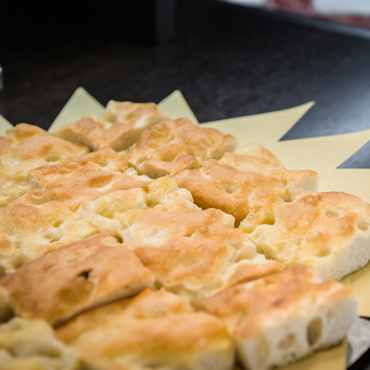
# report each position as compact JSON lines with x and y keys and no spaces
{"x":229,"y":58}
{"x":355,"y":12}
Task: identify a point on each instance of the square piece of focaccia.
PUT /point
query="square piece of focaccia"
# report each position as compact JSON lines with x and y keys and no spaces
{"x":173,"y":145}
{"x":164,"y":209}
{"x":32,"y":345}
{"x":33,"y":228}
{"x":237,"y":193}
{"x":118,"y":127}
{"x":196,"y":265}
{"x":256,"y":158}
{"x":28,"y":231}
{"x":283,"y":317}
{"x":84,"y":178}
{"x":329,"y":231}
{"x":26,"y":147}
{"x":156,"y":329}
{"x":71,"y":279}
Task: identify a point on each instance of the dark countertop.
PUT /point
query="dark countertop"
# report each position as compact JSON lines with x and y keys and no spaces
{"x":227,"y":62}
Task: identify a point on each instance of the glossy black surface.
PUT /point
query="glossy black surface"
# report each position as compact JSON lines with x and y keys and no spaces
{"x":227,"y":62}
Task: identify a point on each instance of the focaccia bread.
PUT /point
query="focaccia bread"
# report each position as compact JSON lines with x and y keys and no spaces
{"x":329,"y":231}
{"x":259,"y":161}
{"x":236,"y":193}
{"x":196,"y":265}
{"x":85,"y":178}
{"x":32,"y":345}
{"x":150,"y":242}
{"x":281,"y":318}
{"x":118,"y":127}
{"x":164,"y":209}
{"x":74,"y":278}
{"x":35,"y":226}
{"x":156,"y":330}
{"x":26,"y":147}
{"x":150,"y":303}
{"x":173,"y":145}
{"x":28,"y":231}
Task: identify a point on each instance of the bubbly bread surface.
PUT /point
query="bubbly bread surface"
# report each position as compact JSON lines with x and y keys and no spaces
{"x":236,"y":193}
{"x":34,"y":224}
{"x":143,"y":335}
{"x":260,"y":160}
{"x":118,"y":127}
{"x":74,"y":278}
{"x":28,"y":231}
{"x":27,"y":147}
{"x":86,"y":178}
{"x":173,"y":145}
{"x":329,"y":231}
{"x":199,"y":264}
{"x":32,"y":345}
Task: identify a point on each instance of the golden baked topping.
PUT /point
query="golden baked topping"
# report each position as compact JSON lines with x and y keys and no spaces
{"x":328,"y":231}
{"x":156,"y":329}
{"x":27,"y":147}
{"x":174,"y":145}
{"x":71,"y":279}
{"x":118,"y":128}
{"x":236,"y":193}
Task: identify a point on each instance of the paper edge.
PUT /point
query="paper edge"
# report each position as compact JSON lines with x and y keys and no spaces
{"x":4,"y":125}
{"x":95,"y":107}
{"x":181,"y":105}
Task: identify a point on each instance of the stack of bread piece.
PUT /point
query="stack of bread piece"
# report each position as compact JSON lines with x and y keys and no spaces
{"x":135,"y":241}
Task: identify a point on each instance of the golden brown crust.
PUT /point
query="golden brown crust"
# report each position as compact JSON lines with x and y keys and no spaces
{"x":257,"y":150}
{"x":327,"y":231}
{"x":199,"y":264}
{"x":234,"y":192}
{"x":25,"y":148}
{"x":296,"y":182}
{"x":76,"y":277}
{"x":145,"y":305}
{"x":174,"y":145}
{"x":86,"y":178}
{"x":28,"y":231}
{"x":143,"y":334}
{"x":119,"y":127}
{"x":157,"y":223}
{"x":30,"y":142}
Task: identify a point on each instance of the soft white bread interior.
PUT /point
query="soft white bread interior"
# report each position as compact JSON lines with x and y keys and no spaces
{"x":283,"y":317}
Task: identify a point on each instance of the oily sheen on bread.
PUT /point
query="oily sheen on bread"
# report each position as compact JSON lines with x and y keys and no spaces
{"x":199,"y":264}
{"x":173,"y":145}
{"x":74,"y":278}
{"x":85,"y":178}
{"x":236,"y":193}
{"x":155,"y":329}
{"x":132,"y":240}
{"x":26,"y":147}
{"x":329,"y":231}
{"x":258,"y":159}
{"x":118,"y":127}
